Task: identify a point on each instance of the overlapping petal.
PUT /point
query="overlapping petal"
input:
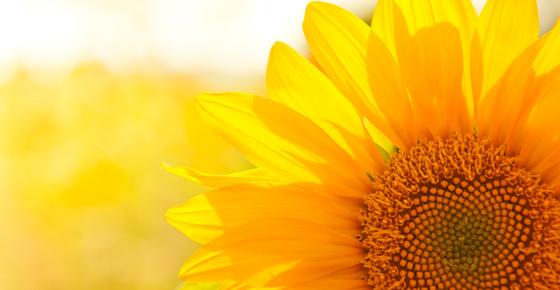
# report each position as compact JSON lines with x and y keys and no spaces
{"x":290,"y":224}
{"x":338,"y":39}
{"x":382,"y":24}
{"x":232,"y":285}
{"x":293,"y":81}
{"x":345,"y":279}
{"x":389,"y":90}
{"x":526,"y":107}
{"x":283,"y":143}
{"x":211,"y":214}
{"x":428,"y":39}
{"x":273,"y":253}
{"x":505,"y":29}
{"x":218,"y":181}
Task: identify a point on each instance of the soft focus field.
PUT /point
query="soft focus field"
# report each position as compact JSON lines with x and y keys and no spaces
{"x":83,"y":192}
{"x":94,"y":95}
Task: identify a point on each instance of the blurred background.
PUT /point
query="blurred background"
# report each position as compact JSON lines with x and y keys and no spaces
{"x":94,"y":94}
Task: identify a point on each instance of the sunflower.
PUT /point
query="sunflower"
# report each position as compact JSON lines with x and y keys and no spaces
{"x":424,"y":154}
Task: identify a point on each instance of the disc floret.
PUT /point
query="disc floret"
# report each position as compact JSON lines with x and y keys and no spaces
{"x":460,"y":214}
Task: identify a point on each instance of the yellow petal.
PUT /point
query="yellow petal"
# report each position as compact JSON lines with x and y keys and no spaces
{"x":505,"y":28}
{"x":240,"y":286}
{"x":524,"y":84}
{"x":338,"y":39}
{"x":273,"y":253}
{"x":237,"y":286}
{"x":211,"y":214}
{"x":389,"y":91}
{"x":331,"y":285}
{"x":383,"y":143}
{"x":428,"y":37}
{"x":203,"y":286}
{"x":382,"y":24}
{"x":345,"y":279}
{"x":219,"y":181}
{"x":283,"y":143}
{"x":525,"y":115}
{"x":293,"y":81}
{"x":540,"y":149}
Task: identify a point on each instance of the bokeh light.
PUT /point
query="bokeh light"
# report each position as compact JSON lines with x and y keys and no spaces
{"x":94,"y":94}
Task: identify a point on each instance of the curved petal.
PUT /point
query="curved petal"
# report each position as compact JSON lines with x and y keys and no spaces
{"x":240,"y":286}
{"x":523,"y":86}
{"x":428,"y":39}
{"x":296,"y":83}
{"x":382,"y":24}
{"x":237,"y":286}
{"x":466,"y":17}
{"x":345,"y":279}
{"x":505,"y":28}
{"x":211,"y":214}
{"x":389,"y":90}
{"x":332,"y":285}
{"x":526,"y":115}
{"x":198,"y":286}
{"x":540,"y":150}
{"x":385,"y":146}
{"x":219,"y":181}
{"x":273,"y":253}
{"x":529,"y":99}
{"x":284,"y":143}
{"x":338,"y":39}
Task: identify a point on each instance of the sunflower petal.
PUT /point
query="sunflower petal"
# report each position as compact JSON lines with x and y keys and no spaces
{"x":273,"y":253}
{"x":204,"y":286}
{"x":293,"y":81}
{"x":540,"y":151}
{"x":518,"y":95}
{"x":389,"y":91}
{"x":428,"y":37}
{"x":240,"y":286}
{"x":382,"y":24}
{"x":332,"y":285}
{"x":211,"y":214}
{"x":383,"y":143}
{"x":283,"y":143}
{"x":505,"y":28}
{"x":526,"y":106}
{"x":345,"y":279}
{"x":219,"y":181}
{"x":339,"y":41}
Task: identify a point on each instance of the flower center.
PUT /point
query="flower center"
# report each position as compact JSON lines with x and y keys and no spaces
{"x":460,"y":214}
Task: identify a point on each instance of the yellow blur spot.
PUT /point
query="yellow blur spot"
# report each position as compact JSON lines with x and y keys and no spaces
{"x":82,"y":192}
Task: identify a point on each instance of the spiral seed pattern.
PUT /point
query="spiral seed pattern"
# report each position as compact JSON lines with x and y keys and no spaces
{"x":460,"y":214}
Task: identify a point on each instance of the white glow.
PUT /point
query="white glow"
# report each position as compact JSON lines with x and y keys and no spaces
{"x":53,"y":37}
{"x":226,"y":36}
{"x":9,"y":38}
{"x":49,"y":38}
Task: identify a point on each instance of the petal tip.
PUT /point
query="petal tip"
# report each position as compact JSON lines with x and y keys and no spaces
{"x":316,"y":6}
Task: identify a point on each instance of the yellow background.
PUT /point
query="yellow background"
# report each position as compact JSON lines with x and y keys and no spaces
{"x":82,"y":192}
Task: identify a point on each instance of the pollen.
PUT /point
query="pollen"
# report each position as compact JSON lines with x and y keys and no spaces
{"x":460,"y":214}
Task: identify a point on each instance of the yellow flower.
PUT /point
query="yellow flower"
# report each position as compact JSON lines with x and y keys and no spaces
{"x":467,"y":201}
